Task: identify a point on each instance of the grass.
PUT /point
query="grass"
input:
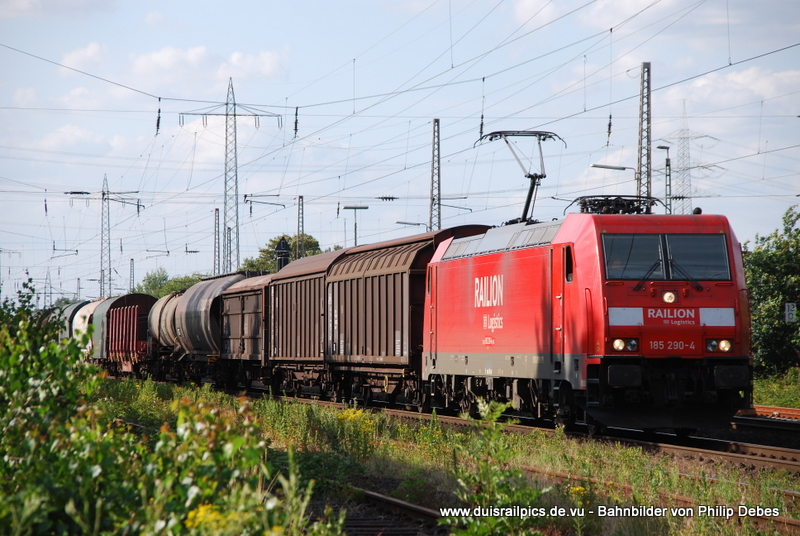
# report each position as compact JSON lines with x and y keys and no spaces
{"x":782,"y":390}
{"x":426,"y":463}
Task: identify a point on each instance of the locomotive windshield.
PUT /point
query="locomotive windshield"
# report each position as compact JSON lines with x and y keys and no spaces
{"x":658,"y":257}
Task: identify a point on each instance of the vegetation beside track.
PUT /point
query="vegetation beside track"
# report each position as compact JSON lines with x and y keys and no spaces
{"x":427,"y":463}
{"x":69,"y":465}
{"x":83,"y":455}
{"x":782,"y":390}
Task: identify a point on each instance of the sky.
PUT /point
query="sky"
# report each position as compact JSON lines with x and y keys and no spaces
{"x":336,"y":101}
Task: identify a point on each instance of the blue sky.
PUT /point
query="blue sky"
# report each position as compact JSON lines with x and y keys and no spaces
{"x":366,"y":80}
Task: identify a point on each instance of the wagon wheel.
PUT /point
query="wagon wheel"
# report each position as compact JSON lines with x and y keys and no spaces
{"x":424,"y":405}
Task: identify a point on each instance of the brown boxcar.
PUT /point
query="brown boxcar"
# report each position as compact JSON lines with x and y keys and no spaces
{"x":375,"y":299}
{"x":297,"y":307}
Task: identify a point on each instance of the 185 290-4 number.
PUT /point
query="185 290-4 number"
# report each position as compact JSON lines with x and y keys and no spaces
{"x":672,"y":345}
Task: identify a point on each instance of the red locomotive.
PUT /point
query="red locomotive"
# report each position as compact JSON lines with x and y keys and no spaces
{"x":637,"y":320}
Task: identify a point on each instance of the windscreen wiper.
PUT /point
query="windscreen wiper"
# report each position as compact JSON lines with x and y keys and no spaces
{"x":652,"y":269}
{"x":675,"y":266}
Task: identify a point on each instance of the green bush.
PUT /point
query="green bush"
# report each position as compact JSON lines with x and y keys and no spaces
{"x":67,"y":466}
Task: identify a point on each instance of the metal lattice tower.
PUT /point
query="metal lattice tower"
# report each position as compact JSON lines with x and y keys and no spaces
{"x":681,"y":172}
{"x":231,"y":209}
{"x":216,"y":241}
{"x":435,"y":220}
{"x":301,"y":242}
{"x":105,"y":241}
{"x":48,"y":290}
{"x":230,"y":214}
{"x":644,"y":167}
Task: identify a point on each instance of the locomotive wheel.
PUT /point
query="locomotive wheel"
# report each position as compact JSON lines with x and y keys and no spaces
{"x":467,"y":405}
{"x":565,"y":415}
{"x":594,"y":427}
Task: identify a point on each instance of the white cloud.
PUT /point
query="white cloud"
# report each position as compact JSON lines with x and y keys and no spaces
{"x":717,"y":90}
{"x":169,"y":59}
{"x":88,"y":58}
{"x":79,"y":97}
{"x":17,"y":8}
{"x":154,"y":17}
{"x":540,"y":10}
{"x":68,"y":136}
{"x":171,"y":67}
{"x":250,"y":66}
{"x":25,"y":96}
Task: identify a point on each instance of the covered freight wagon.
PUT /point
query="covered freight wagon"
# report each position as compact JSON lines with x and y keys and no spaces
{"x":375,"y":300}
{"x":120,"y":331}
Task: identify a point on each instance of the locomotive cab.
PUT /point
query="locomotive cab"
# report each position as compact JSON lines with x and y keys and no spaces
{"x":675,"y":351}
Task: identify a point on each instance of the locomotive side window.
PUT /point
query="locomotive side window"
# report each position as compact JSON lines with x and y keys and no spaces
{"x":698,"y":256}
{"x":568,"y":264}
{"x":633,"y":256}
{"x":690,"y":257}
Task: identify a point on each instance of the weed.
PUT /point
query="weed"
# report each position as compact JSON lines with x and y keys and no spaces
{"x":487,"y":480}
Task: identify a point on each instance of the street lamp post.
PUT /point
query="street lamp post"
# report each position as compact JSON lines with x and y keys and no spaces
{"x":668,"y":179}
{"x":355,"y":208}
{"x":427,"y":226}
{"x":637,"y":177}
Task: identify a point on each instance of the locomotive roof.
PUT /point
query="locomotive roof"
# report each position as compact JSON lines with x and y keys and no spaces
{"x":515,"y":236}
{"x":522,"y":235}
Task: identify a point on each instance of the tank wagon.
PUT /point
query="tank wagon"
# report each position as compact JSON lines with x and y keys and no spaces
{"x":68,"y":315}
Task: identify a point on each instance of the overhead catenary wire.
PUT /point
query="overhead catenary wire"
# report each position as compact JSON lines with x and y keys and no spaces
{"x":409,"y":142}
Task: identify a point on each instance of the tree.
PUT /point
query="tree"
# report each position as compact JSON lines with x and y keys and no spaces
{"x":772,"y":270}
{"x":158,"y":283}
{"x":267,"y":260}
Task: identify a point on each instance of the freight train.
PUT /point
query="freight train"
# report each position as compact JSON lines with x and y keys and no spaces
{"x":635,"y":320}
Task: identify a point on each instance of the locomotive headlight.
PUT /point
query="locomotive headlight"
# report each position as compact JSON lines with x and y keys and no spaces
{"x":625,"y":345}
{"x":721,"y":345}
{"x":669,"y":297}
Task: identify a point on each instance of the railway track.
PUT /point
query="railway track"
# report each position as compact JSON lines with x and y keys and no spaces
{"x":395,"y":517}
{"x":768,"y":418}
{"x":774,"y":412}
{"x":741,"y":453}
{"x":370,"y":513}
